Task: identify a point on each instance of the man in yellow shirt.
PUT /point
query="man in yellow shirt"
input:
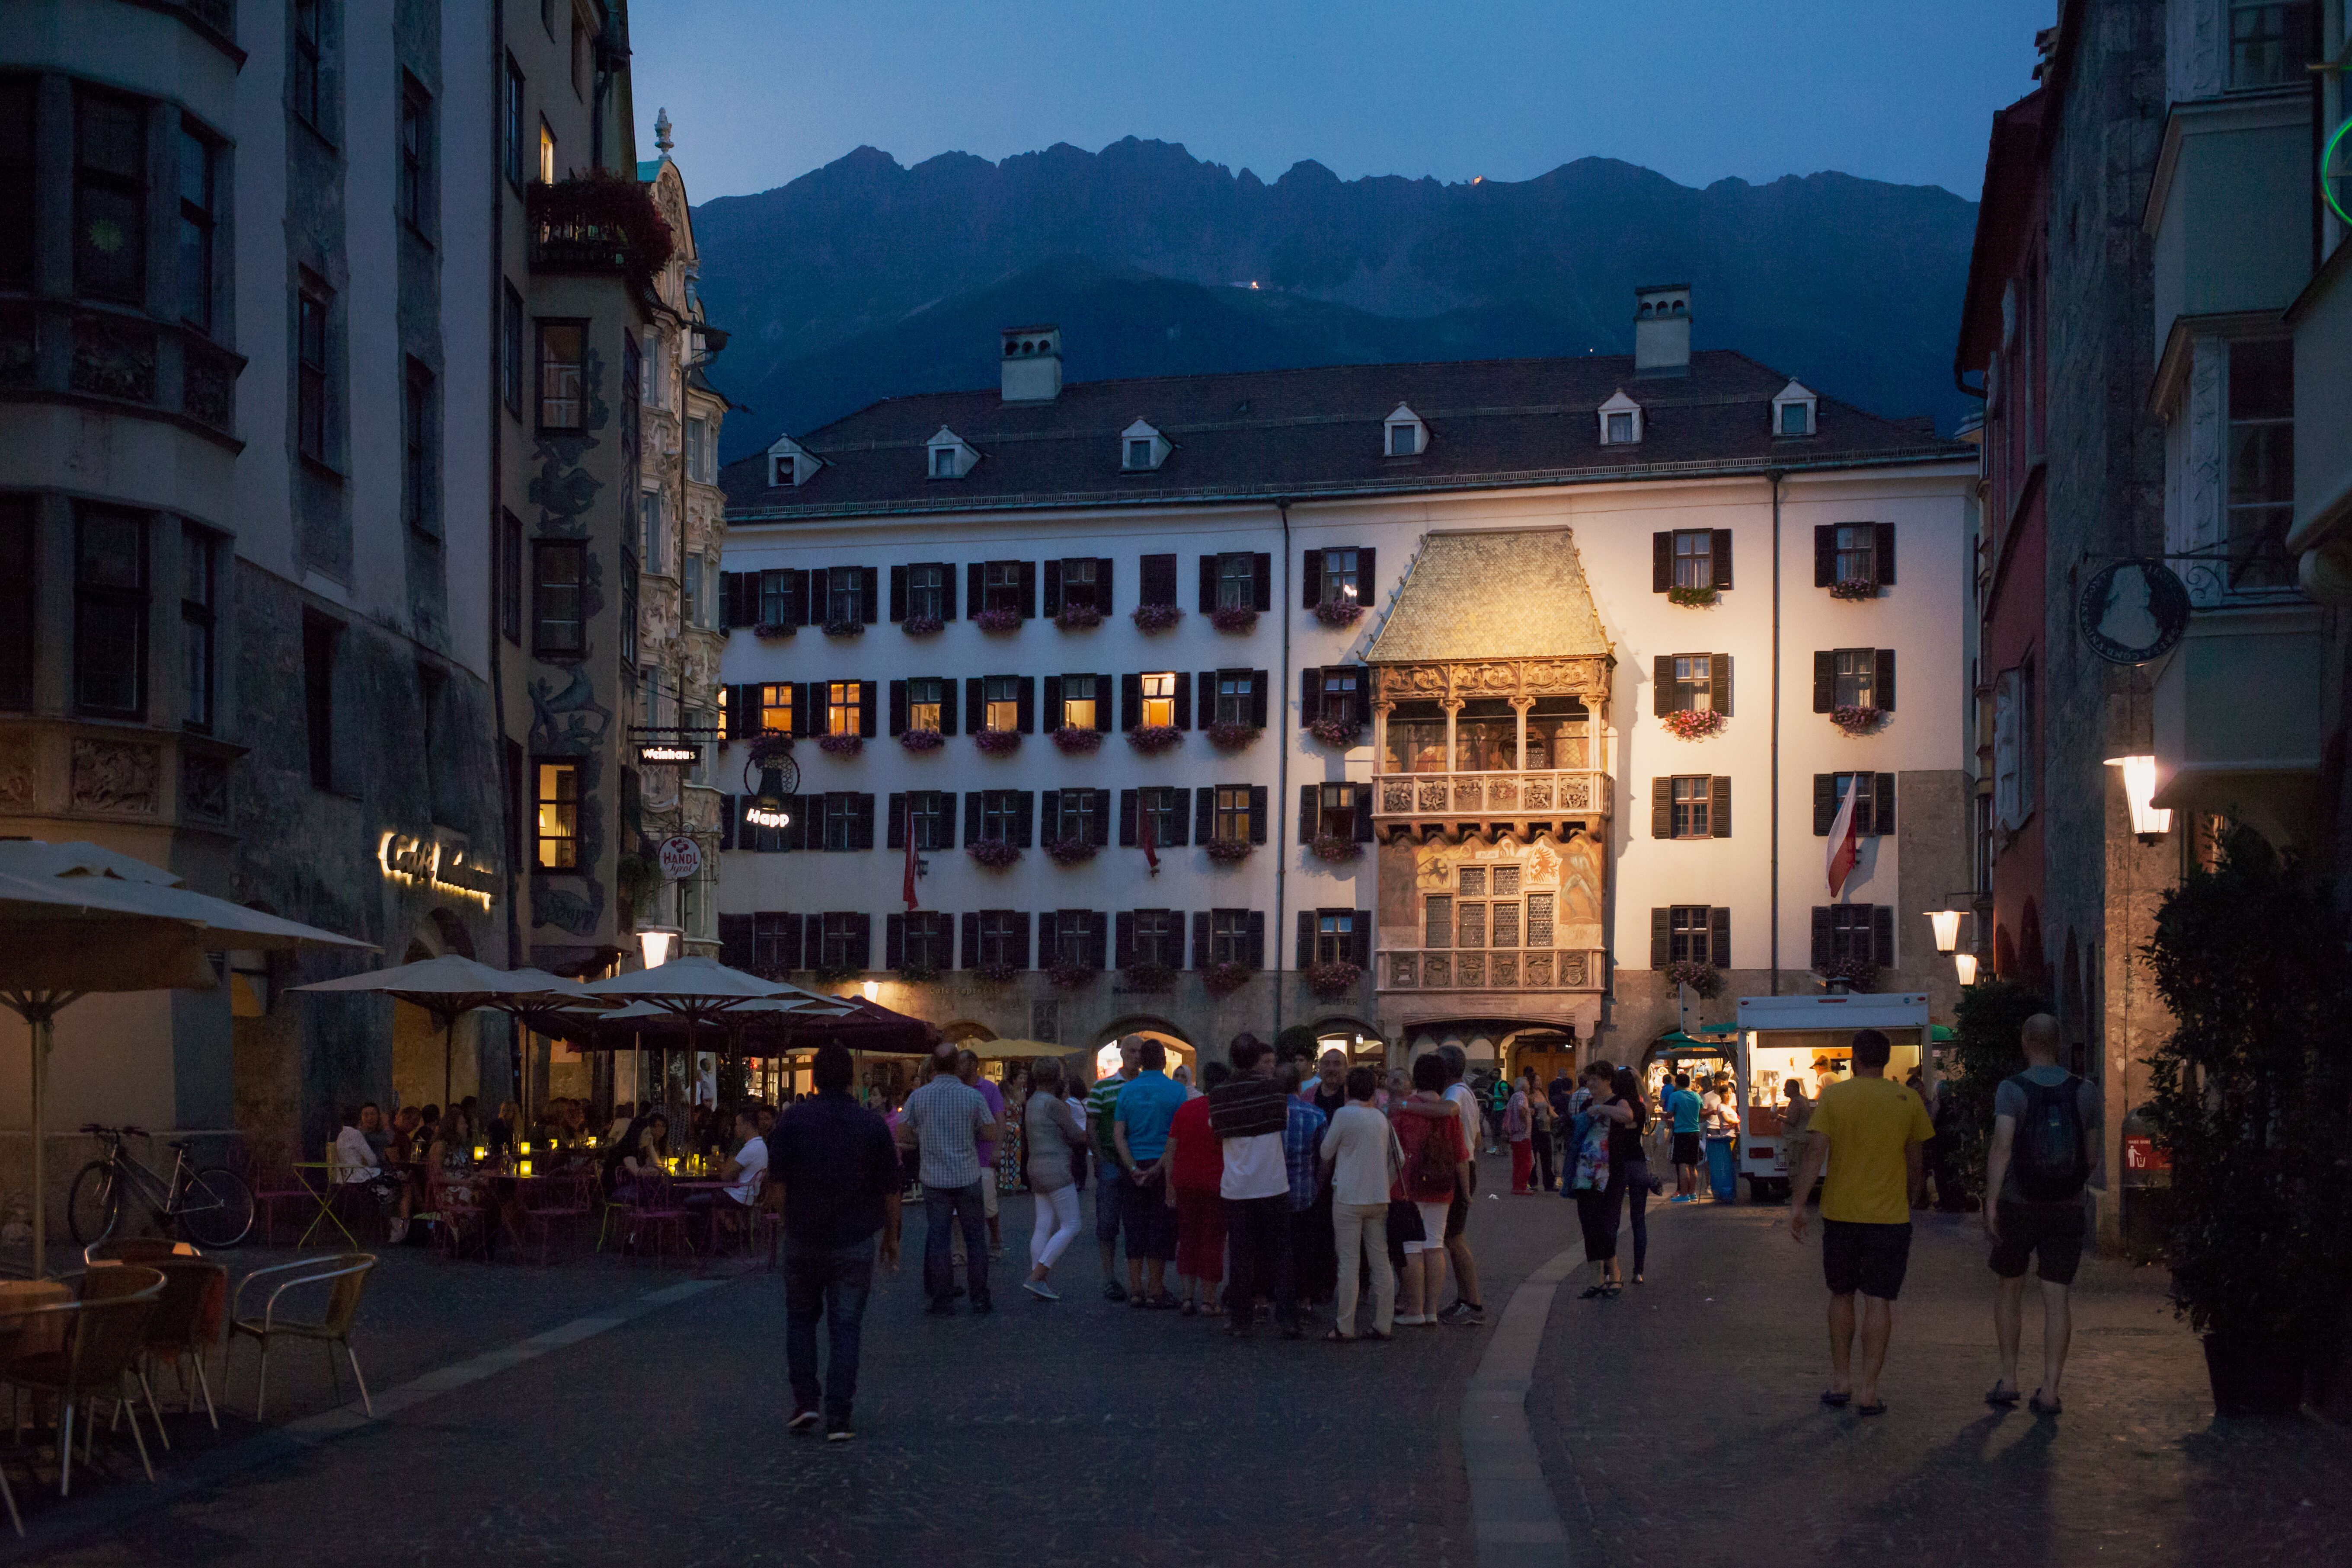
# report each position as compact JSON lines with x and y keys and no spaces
{"x":1874,"y":1134}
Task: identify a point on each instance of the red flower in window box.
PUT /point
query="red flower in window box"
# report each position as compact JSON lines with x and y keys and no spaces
{"x":1071,"y":851}
{"x":1148,"y":977}
{"x":997,"y":742}
{"x":1225,"y":979}
{"x":1078,"y":618}
{"x":1850,"y":974}
{"x":998,"y":620}
{"x":1853,"y":588}
{"x":1855,"y":720}
{"x":1333,"y":980}
{"x":993,"y":853}
{"x":1156,"y":617}
{"x":1337,"y":733}
{"x":922,"y":740}
{"x":1704,"y":979}
{"x":1336,"y":847}
{"x":1229,"y":851}
{"x":921,"y":625}
{"x":770,"y":746}
{"x":1153,"y":739}
{"x":1231,"y":737}
{"x":1340,"y":612}
{"x":1233,"y":618}
{"x":1695,"y":723}
{"x":840,"y":745}
{"x":1077,"y":741}
{"x":1069,"y":976}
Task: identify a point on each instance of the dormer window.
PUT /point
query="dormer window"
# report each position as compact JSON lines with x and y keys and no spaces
{"x":1142,"y":449}
{"x":1620,"y":422}
{"x":1794,"y":409}
{"x":1406,"y":435}
{"x":790,"y":464}
{"x":950,"y":457}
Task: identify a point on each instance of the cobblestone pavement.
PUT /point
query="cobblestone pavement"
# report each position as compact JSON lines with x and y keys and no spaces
{"x":1678,"y":1426}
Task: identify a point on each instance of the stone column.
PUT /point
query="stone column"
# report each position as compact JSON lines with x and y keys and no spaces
{"x":1519,"y":706}
{"x":1453,"y":706}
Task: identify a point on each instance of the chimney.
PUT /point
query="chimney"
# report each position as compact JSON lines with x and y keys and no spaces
{"x":1662,"y":329}
{"x":1032,"y":365}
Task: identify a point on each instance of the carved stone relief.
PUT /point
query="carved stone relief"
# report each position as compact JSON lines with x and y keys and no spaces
{"x":115,"y":777}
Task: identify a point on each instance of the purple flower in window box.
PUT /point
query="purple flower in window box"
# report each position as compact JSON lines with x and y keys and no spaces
{"x":1148,"y":977}
{"x":1340,"y":612}
{"x":1153,"y":739}
{"x":1232,"y":618}
{"x":1691,"y":598}
{"x":845,"y":628}
{"x":1071,"y":851}
{"x":1704,"y":979}
{"x":1853,"y":588}
{"x":1069,"y":976}
{"x":997,"y":742}
{"x":1336,"y":847}
{"x":1231,"y":737}
{"x":993,"y":853}
{"x":1694,"y":723}
{"x":771,"y":629}
{"x":1855,"y":720}
{"x":996,"y":973}
{"x":1337,"y":733}
{"x":1157,"y":617}
{"x":770,"y":746}
{"x":1229,"y":851}
{"x":922,"y":740}
{"x":998,"y":620}
{"x":840,"y":745}
{"x":1333,"y":980}
{"x":1225,"y":979}
{"x":1078,"y":618}
{"x":1077,"y":741}
{"x":920,"y":625}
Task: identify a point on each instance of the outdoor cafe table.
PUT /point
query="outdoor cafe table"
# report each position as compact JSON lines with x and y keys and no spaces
{"x":22,"y":1335}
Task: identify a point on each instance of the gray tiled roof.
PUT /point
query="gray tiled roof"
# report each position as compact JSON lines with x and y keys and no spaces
{"x":1300,"y":433}
{"x":1448,"y":607}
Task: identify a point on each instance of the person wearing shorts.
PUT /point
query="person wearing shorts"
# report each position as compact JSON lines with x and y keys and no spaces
{"x":2044,"y":1231}
{"x":1683,"y":1110}
{"x":1872,"y":1133}
{"x":1429,"y":1185}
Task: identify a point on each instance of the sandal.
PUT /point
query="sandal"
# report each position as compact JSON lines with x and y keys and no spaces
{"x":1590,"y":1291}
{"x":2041,"y":1407}
{"x":1189,"y":1309}
{"x":1612,"y":1292}
{"x":1139,"y":1301}
{"x":1835,"y":1400}
{"x":1999,"y":1396}
{"x":1165,"y":1302}
{"x":1376,"y":1334}
{"x":1334,"y":1337}
{"x":1875,"y":1407}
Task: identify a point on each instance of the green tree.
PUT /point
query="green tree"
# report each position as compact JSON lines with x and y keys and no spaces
{"x":1984,"y":1051}
{"x":1294,"y":1044}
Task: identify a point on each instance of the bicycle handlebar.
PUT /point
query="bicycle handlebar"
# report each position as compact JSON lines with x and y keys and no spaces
{"x":96,"y":1130}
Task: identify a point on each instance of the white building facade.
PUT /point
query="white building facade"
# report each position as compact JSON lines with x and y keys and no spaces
{"x":1462,"y":701}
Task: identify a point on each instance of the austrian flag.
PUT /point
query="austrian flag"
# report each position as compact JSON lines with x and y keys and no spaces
{"x":1845,"y":844}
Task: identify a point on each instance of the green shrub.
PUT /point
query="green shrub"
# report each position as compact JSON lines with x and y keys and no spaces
{"x":1984,"y":1051}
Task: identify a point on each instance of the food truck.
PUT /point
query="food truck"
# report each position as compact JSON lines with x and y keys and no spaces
{"x":1809,"y":1040}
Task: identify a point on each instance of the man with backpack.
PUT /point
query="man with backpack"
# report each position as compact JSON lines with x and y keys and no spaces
{"x":2044,"y":1151}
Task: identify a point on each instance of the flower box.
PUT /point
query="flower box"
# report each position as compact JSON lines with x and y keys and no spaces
{"x":769,"y":630}
{"x":835,"y":974}
{"x":1231,"y":737}
{"x":1691,"y":598}
{"x":1157,"y":617}
{"x":770,"y":746}
{"x":1229,"y":851}
{"x":1233,"y":618}
{"x":922,"y":740}
{"x":1855,"y":720}
{"x":1078,"y":618}
{"x":1695,"y":723}
{"x":1336,"y":847}
{"x":1334,"y":979}
{"x":1341,"y":734}
{"x":1852,"y":974}
{"x":998,"y":620}
{"x":1340,"y":612}
{"x":921,"y":625}
{"x":997,"y":742}
{"x":993,"y":853}
{"x":1148,"y":977}
{"x":996,"y":973}
{"x":1072,"y":851}
{"x":1077,"y":740}
{"x":1704,"y":979}
{"x":601,"y":222}
{"x":918,"y":973}
{"x":845,"y":628}
{"x":1153,"y":739}
{"x":840,"y":745}
{"x":1853,"y":588}
{"x":1069,"y":976}
{"x":1225,"y":979}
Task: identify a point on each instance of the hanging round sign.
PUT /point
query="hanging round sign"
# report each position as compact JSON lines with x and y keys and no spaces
{"x":681,"y":857}
{"x":2133,"y":611}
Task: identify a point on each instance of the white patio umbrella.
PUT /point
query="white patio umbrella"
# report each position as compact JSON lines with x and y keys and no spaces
{"x":700,"y":991}
{"x":452,"y":984}
{"x":75,"y":919}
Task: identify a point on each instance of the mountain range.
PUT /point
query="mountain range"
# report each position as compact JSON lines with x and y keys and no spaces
{"x":865,"y":279}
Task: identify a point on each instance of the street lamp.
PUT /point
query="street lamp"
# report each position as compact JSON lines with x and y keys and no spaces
{"x":872,"y":990}
{"x":655,"y":942}
{"x":1965,"y":965}
{"x":2139,"y":791}
{"x":1947,"y":923}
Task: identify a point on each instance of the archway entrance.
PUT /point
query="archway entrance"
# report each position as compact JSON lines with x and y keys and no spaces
{"x":1104,"y":1058}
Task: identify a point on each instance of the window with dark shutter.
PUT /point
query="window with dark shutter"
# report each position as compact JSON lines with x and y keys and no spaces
{"x":1885,"y":544}
{"x":1159,"y":580}
{"x":1200,"y":938}
{"x":1262,"y":579}
{"x":1310,"y":578}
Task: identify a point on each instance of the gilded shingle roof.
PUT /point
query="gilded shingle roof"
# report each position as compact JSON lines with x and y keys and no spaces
{"x":1505,"y":594}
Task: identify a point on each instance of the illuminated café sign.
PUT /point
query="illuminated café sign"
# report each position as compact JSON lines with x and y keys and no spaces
{"x":444,"y":864}
{"x":650,"y":753}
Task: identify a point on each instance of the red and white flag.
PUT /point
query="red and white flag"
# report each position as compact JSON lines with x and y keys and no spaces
{"x":908,"y":890}
{"x":1150,"y":840}
{"x":1845,"y":844}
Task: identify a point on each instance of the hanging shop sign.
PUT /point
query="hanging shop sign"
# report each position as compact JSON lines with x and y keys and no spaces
{"x":680,"y":856}
{"x":441,"y":861}
{"x":2133,"y":611}
{"x":667,"y":753}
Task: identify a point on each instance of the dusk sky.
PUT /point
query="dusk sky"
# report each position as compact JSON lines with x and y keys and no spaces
{"x":763,"y":90}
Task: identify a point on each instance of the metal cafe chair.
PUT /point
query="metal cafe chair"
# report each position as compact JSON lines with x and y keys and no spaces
{"x":347,"y":1273}
{"x":106,"y":1332}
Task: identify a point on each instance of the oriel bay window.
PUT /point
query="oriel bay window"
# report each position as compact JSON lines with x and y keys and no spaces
{"x":310,"y":373}
{"x":2262,"y":461}
{"x":1415,"y":739}
{"x":1486,"y":736}
{"x":556,"y":815}
{"x":1690,"y":933}
{"x":197,"y":208}
{"x":559,"y":577}
{"x":1559,"y":734}
{"x":110,"y":613}
{"x":110,"y":245}
{"x":562,"y":361}
{"x":18,"y":600}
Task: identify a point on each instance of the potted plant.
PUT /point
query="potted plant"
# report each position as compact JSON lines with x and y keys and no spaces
{"x":1853,"y":588}
{"x":997,"y":742}
{"x":1691,"y":598}
{"x":1229,"y":851}
{"x":922,"y":740}
{"x":1078,"y":618}
{"x":1232,"y":618}
{"x":1704,"y":979}
{"x":1336,"y":847}
{"x":840,"y":745}
{"x":1340,"y":612}
{"x":993,"y":853}
{"x":1333,"y":980}
{"x":1153,"y":739}
{"x":1225,"y":979}
{"x":1077,"y":741}
{"x":845,"y":628}
{"x":1341,"y":734}
{"x":1856,"y":720}
{"x":1151,"y":618}
{"x":921,"y":625}
{"x":2250,"y":1096}
{"x":1148,"y":977}
{"x":770,"y":746}
{"x":766,"y":630}
{"x":998,"y":620}
{"x":1071,"y":851}
{"x":1069,"y":976}
{"x":1694,"y":723}
{"x":1231,"y":737}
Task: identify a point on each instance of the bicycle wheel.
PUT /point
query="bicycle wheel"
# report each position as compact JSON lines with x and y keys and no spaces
{"x":216,"y":1208}
{"x":94,"y":1205}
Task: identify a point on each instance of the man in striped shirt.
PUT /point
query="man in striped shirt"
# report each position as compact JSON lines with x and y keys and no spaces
{"x":1249,"y":1112}
{"x":1102,"y":1113}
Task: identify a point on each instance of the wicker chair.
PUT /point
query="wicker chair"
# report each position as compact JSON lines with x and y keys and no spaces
{"x":106,"y":1332}
{"x":347,"y":1273}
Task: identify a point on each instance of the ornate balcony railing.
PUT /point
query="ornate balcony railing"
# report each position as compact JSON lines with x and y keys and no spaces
{"x":1490,"y":969}
{"x":1561,"y":793}
{"x":599,"y":223}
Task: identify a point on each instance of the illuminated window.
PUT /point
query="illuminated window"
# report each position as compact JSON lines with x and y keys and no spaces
{"x":841,"y":707}
{"x":546,"y":155}
{"x":558,"y":816}
{"x":1232,"y":822}
{"x":776,"y":708}
{"x":1002,"y":700}
{"x":1160,"y":698}
{"x":923,"y":700}
{"x":1078,"y":701}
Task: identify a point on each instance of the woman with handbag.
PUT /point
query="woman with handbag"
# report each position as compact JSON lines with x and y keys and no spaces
{"x":1596,"y":1210}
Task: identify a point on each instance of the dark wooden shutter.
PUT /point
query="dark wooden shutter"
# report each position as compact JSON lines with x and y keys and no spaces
{"x":1310,"y":580}
{"x":1180,"y":841}
{"x":1261,"y":581}
{"x":897,"y":614}
{"x":866,"y":709}
{"x":728,"y":806}
{"x":948,"y":706}
{"x":895,"y":833}
{"x":1052,"y":588}
{"x":1183,"y":700}
{"x":1662,"y":684}
{"x":894,"y":941}
{"x":1311,"y":696}
{"x":735,"y":948}
{"x":803,"y":702}
{"x":1259,"y":682}
{"x":861,"y":938}
{"x":1825,"y":680}
{"x":1661,"y":936}
{"x":1208,"y":698}
{"x":897,"y":708}
{"x":946,"y":828}
{"x":870,"y":583}
{"x":1208,"y":584}
{"x":1825,"y":804}
{"x":1306,"y":797}
{"x":976,"y":588}
{"x":1204,"y":814}
{"x":1028,"y":705}
{"x":971,"y":923}
{"x":797,"y":834}
{"x":1363,"y":798}
{"x":1099,"y":834}
{"x":1366,"y":562}
{"x":1825,"y":554}
{"x":975,"y":699}
{"x":1021,"y":929}
{"x":861,"y":824}
{"x":727,"y":586}
{"x":1882,"y":815}
{"x":1883,"y":556}
{"x":1881,"y":935}
{"x":946,"y":591}
{"x":1881,"y":686}
{"x":1200,"y":938}
{"x":1159,"y":580}
{"x":1360,"y":942}
{"x":1718,"y":946}
{"x":1097,"y":940}
{"x":1128,"y":819}
{"x":1130,"y":701}
{"x":1049,"y":937}
{"x":1720,"y":813}
{"x":1028,"y":590}
{"x":1256,"y":938}
{"x":1102,"y":583}
{"x":1662,"y":562}
{"x":1052,"y":815}
{"x":1305,"y":954}
{"x":1719,"y":557}
{"x":974,"y":804}
{"x":1053,"y":703}
{"x":1123,"y":939}
{"x":1024,"y":817}
{"x":812,"y":944}
{"x":1822,"y":939}
{"x":1719,"y":683}
{"x":1257,"y":813}
{"x":1102,"y":704}
{"x":1662,"y":807}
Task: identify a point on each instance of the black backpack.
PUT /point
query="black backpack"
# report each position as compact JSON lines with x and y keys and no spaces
{"x":2051,"y":1157}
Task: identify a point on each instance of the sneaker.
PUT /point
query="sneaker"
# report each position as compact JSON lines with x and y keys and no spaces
{"x":1463,"y":1312}
{"x":838,"y":1432}
{"x":802,"y":1424}
{"x":1038,"y":1289}
{"x":1113,"y":1290}
{"x":399,"y":1233}
{"x":1680,"y":1198}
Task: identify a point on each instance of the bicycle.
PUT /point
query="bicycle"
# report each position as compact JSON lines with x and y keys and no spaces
{"x":213,"y":1207}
